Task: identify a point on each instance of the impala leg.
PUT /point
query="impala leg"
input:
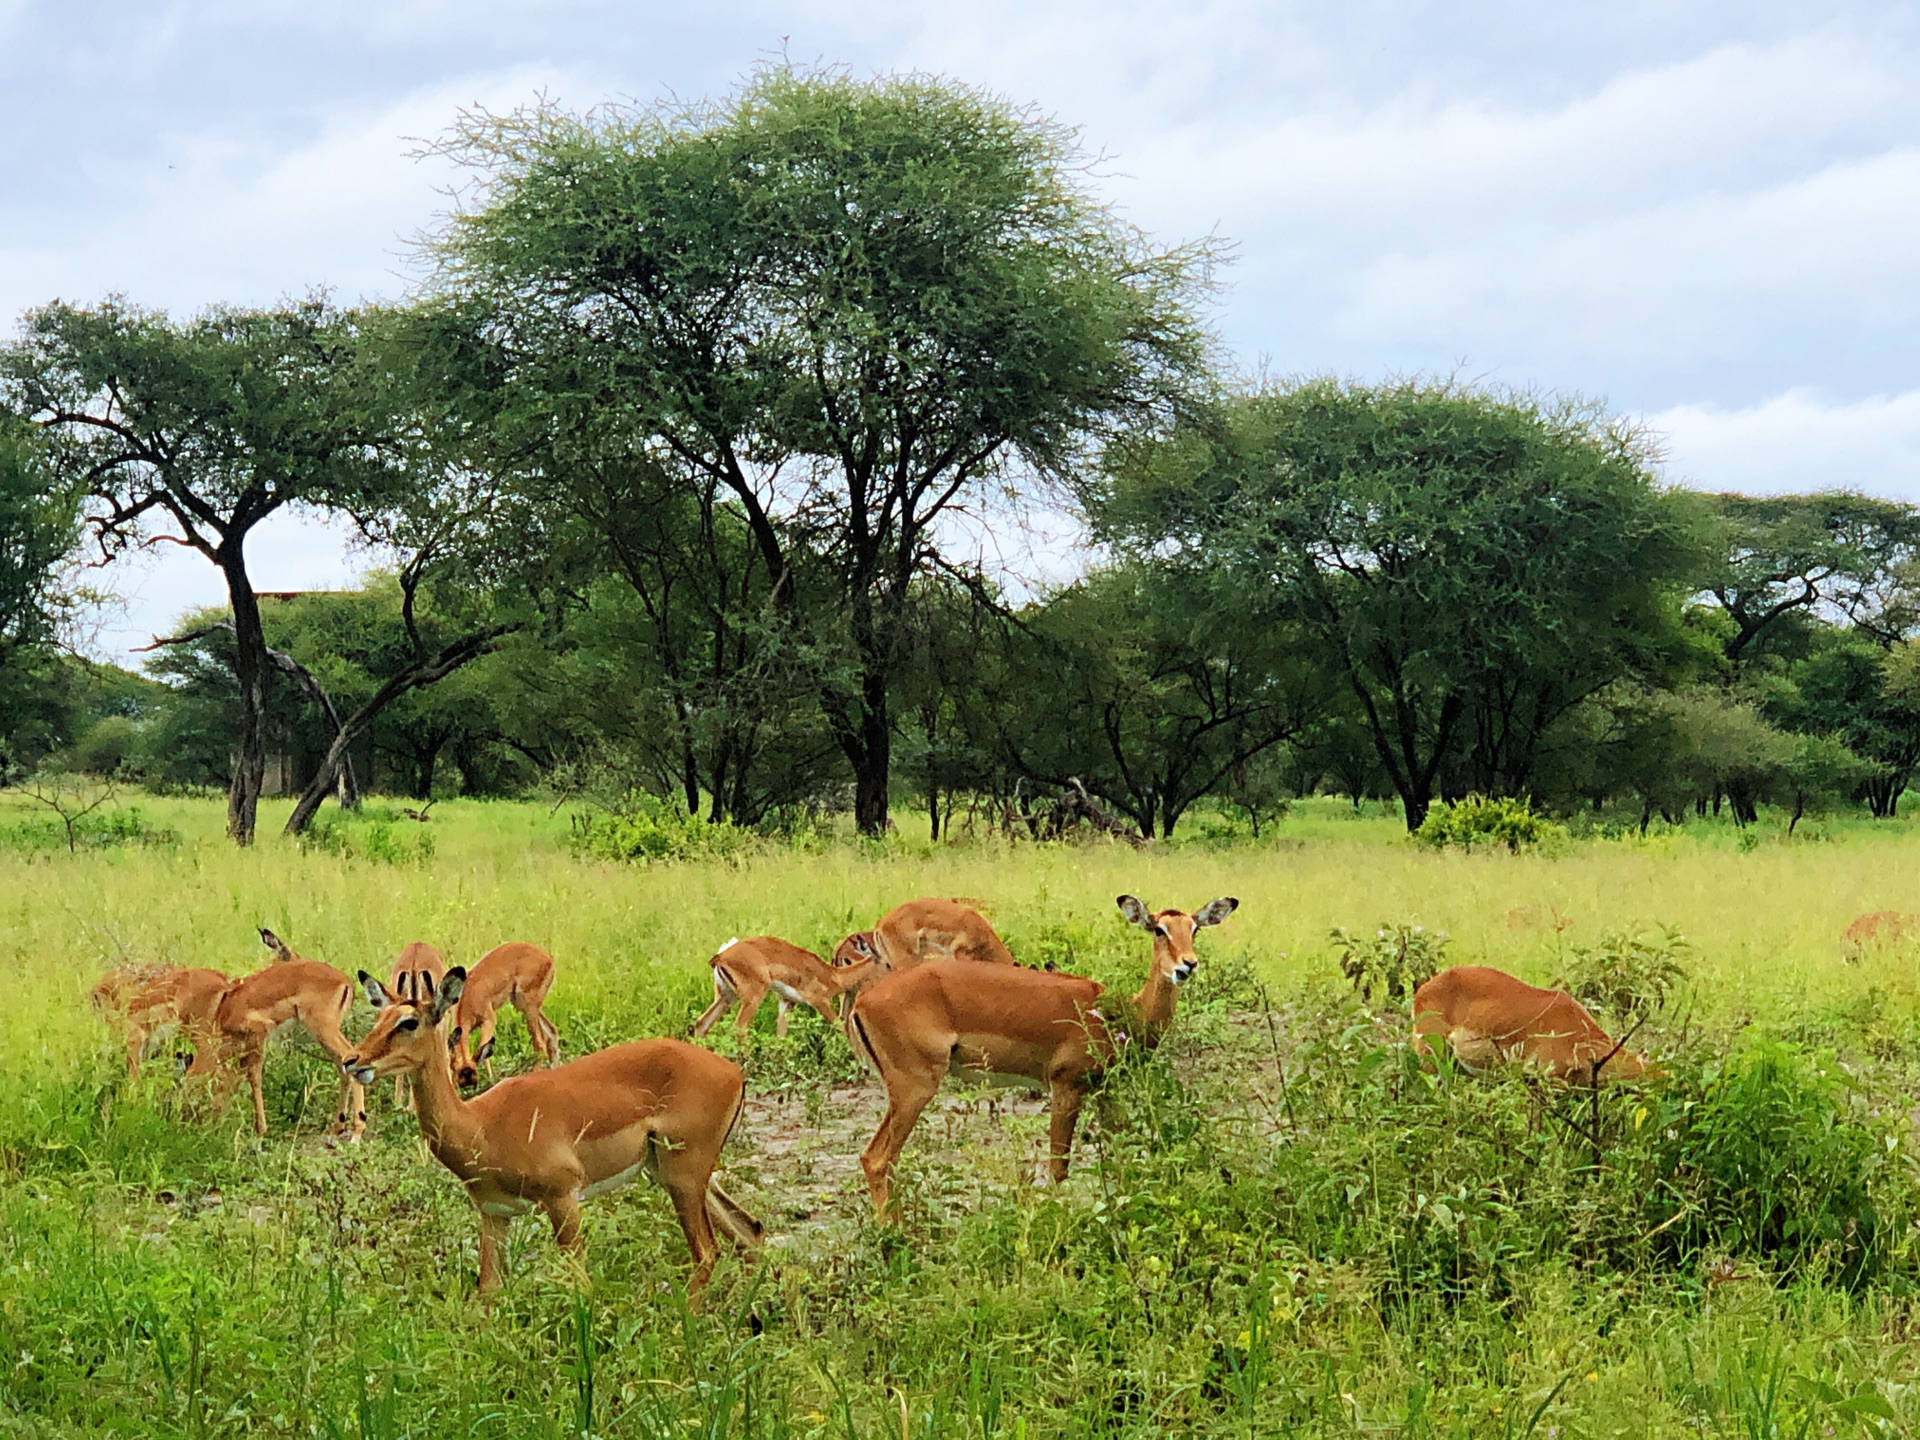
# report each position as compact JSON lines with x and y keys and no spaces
{"x":351,"y":1112}
{"x":689,"y":1195}
{"x":751,"y":998}
{"x":563,"y":1213}
{"x":780,"y":1018}
{"x":722,"y":998}
{"x":400,"y":1092}
{"x":255,"y":1062}
{"x":1068,"y":1096}
{"x":725,"y":1213}
{"x":136,"y":1044}
{"x":545,"y":1038}
{"x":907,"y":1096}
{"x":493,"y":1235}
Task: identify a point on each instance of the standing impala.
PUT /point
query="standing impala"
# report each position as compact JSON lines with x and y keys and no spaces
{"x":416,"y":971}
{"x":516,"y":974}
{"x":927,"y":929}
{"x":147,"y":999}
{"x":290,"y":990}
{"x":744,"y":971}
{"x":917,"y":1025}
{"x":1488,"y":1015}
{"x":554,"y":1138}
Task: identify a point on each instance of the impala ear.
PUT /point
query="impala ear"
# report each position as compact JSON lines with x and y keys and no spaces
{"x":448,"y":995}
{"x":1135,"y":912}
{"x":1214,"y":911}
{"x":378,"y":996}
{"x":861,"y":944}
{"x":484,"y":1053}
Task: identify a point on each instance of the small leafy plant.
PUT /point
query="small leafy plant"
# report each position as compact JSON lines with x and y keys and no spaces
{"x":1627,"y":973}
{"x":643,"y":828}
{"x":1398,"y":958}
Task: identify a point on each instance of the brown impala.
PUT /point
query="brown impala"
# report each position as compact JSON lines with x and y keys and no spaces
{"x":289,"y":991}
{"x":745,"y":971}
{"x":1487,"y":1015}
{"x":516,"y":974}
{"x":556,"y":1137}
{"x":929,"y":929}
{"x":917,"y":1025}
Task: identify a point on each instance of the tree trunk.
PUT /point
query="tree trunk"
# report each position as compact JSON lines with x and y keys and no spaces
{"x":250,"y":667}
{"x":416,"y":676}
{"x":1883,"y":795}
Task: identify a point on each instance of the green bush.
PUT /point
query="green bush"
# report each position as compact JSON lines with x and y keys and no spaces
{"x":1768,"y":1153}
{"x":645,"y":828}
{"x":378,"y":840}
{"x":102,"y":830}
{"x":1479,"y":821}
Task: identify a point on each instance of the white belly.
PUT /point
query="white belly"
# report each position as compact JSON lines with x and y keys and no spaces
{"x":612,"y":1182}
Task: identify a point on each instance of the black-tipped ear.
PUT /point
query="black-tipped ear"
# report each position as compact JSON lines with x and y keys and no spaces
{"x":423,"y":983}
{"x":1214,"y":911}
{"x":378,"y":996}
{"x":448,"y":995}
{"x":453,"y":1038}
{"x":1136,"y":913}
{"x":484,"y":1053}
{"x":863,"y":946}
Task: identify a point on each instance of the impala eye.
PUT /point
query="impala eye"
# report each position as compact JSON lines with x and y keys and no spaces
{"x":410,"y":1023}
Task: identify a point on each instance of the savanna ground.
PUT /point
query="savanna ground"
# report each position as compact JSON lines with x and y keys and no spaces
{"x":1278,"y":1225}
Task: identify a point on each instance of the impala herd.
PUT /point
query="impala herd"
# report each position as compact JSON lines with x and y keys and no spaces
{"x":930,"y":990}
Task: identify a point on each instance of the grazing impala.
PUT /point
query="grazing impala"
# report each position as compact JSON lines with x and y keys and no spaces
{"x":744,"y":971}
{"x":146,"y":999}
{"x":917,"y":1025}
{"x":516,"y":974}
{"x":557,"y":1137}
{"x":290,"y":990}
{"x":416,"y":971}
{"x":1488,"y":1015}
{"x":929,"y":929}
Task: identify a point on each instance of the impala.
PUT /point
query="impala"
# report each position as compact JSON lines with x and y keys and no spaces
{"x":917,"y":1025}
{"x":147,"y":999}
{"x":290,"y":990}
{"x":416,"y":971}
{"x":556,"y":1137}
{"x":1487,"y":1015}
{"x":928,"y":929}
{"x":516,"y":974}
{"x":744,"y":971}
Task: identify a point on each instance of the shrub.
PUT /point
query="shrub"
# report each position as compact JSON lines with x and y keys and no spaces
{"x":1626,"y":974}
{"x":1479,"y":821}
{"x":380,"y":841}
{"x":1399,"y":958}
{"x":101,"y":830}
{"x":646,"y":828}
{"x":1764,"y":1155}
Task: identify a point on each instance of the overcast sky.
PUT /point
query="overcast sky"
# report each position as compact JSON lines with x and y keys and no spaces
{"x":1703,"y":213}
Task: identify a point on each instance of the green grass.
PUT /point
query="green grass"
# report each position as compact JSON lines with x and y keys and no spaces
{"x":1367,"y":1250}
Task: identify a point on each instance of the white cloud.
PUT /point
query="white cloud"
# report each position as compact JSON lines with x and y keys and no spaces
{"x":1797,"y":441}
{"x":233,"y":216}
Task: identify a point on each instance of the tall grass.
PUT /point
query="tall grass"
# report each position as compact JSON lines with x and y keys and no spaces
{"x":1278,"y":1226}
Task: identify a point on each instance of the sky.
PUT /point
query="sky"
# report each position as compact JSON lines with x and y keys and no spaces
{"x":1703,"y":214}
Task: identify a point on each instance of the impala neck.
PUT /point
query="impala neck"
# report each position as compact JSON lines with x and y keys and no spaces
{"x":1154,"y":1004}
{"x":446,"y":1120}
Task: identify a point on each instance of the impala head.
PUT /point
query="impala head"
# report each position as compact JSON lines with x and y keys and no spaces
{"x":406,"y":1033}
{"x":468,"y":1057}
{"x":1173,"y":931}
{"x":855,"y":948}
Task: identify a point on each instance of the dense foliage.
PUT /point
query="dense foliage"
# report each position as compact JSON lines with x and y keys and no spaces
{"x":686,"y":472}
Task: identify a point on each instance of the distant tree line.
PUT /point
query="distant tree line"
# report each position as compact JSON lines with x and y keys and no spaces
{"x":685,"y":466}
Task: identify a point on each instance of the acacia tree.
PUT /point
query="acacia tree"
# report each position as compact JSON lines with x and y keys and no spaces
{"x":855,"y":306}
{"x":1475,"y":565}
{"x":194,"y":433}
{"x":1139,"y":682}
{"x":38,"y":529}
{"x":1782,"y":557}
